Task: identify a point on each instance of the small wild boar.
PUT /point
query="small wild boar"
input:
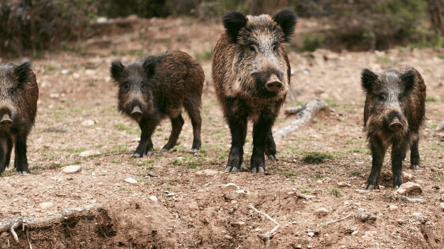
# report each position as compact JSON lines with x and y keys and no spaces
{"x":393,"y":114}
{"x":19,"y":93}
{"x":156,"y":87}
{"x":251,"y":74}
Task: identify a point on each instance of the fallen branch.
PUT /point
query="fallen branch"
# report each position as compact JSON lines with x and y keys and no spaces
{"x":402,"y":197}
{"x":438,"y":129}
{"x":13,"y":231}
{"x":305,"y":113}
{"x":334,"y":221}
{"x":308,"y":197}
{"x":266,"y":236}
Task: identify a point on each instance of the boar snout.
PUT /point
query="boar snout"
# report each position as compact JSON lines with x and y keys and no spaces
{"x":6,"y":120}
{"x":395,"y":125}
{"x":136,"y":112}
{"x":273,"y":84}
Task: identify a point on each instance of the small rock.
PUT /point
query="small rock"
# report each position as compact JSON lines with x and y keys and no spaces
{"x":321,"y":212}
{"x":371,"y":233}
{"x":76,"y":75}
{"x":407,"y":176}
{"x":441,"y":207}
{"x":409,"y":188}
{"x":71,"y":169}
{"x":153,"y":198}
{"x":393,"y":207}
{"x":88,"y":123}
{"x":130,"y":180}
{"x":65,"y":71}
{"x":343,"y":184}
{"x":90,"y":72}
{"x":54,"y":95}
{"x":311,"y":234}
{"x":416,"y":214}
{"x":346,"y":203}
{"x":45,"y":205}
{"x":355,"y":232}
{"x":89,"y":153}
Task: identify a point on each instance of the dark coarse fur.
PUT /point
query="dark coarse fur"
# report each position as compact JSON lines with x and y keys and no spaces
{"x":393,"y":114}
{"x":19,"y":93}
{"x":251,"y":74}
{"x":160,"y":86}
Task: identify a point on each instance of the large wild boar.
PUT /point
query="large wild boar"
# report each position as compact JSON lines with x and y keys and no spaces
{"x":251,"y":74}
{"x":393,"y":114}
{"x":19,"y":93}
{"x":160,"y":86}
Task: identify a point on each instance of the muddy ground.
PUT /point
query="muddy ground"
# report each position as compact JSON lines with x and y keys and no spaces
{"x":202,"y":212}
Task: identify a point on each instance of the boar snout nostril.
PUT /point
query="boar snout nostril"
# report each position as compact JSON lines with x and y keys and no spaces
{"x":273,"y":84}
{"x":395,"y":125}
{"x":136,"y":112}
{"x":6,"y":120}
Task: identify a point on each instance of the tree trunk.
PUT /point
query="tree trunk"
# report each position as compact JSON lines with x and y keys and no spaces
{"x":436,"y":12}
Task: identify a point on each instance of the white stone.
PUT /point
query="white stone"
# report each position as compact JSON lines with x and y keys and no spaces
{"x":76,"y":75}
{"x":409,"y":187}
{"x":393,"y":207}
{"x":153,"y":198}
{"x":88,"y":123}
{"x":90,"y":72}
{"x":416,"y":214}
{"x":311,"y":234}
{"x":45,"y":205}
{"x":137,"y":139}
{"x":89,"y":153}
{"x":346,"y":203}
{"x":71,"y":169}
{"x":321,"y":212}
{"x":65,"y":71}
{"x":130,"y":180}
{"x":54,"y":95}
{"x":441,"y":207}
{"x":343,"y":184}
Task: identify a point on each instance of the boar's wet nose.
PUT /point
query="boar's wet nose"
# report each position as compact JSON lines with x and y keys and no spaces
{"x":273,"y":84}
{"x":395,"y":125}
{"x":136,"y":112}
{"x":6,"y":120}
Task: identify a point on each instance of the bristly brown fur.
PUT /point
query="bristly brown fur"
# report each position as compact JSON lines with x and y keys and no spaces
{"x":19,"y":93}
{"x":409,"y":93}
{"x":247,"y":53}
{"x":161,"y":85}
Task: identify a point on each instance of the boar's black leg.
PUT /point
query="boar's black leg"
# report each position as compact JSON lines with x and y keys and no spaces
{"x":398,"y":150}
{"x":21,"y":161}
{"x":2,"y":160}
{"x":270,"y":146}
{"x":238,"y":129}
{"x":177,"y":124}
{"x":193,"y":109}
{"x":260,"y":131}
{"x":145,"y":144}
{"x":8,"y":151}
{"x":378,"y":153}
{"x":414,"y":156}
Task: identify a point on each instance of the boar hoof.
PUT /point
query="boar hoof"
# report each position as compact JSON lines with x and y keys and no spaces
{"x":136,"y":155}
{"x":273,"y":157}
{"x":163,"y":150}
{"x":23,"y":173}
{"x":415,"y":167}
{"x":194,"y":151}
{"x":230,"y":168}
{"x":259,"y":169}
{"x":149,"y":153}
{"x":369,"y":186}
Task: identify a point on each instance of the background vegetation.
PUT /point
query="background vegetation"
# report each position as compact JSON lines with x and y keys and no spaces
{"x":359,"y":24}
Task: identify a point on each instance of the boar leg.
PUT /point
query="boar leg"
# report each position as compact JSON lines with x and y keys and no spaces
{"x":378,"y":153}
{"x":193,"y":109}
{"x":21,"y":161}
{"x":260,"y":131}
{"x":177,"y":124}
{"x":238,"y":129}
{"x":270,"y":146}
{"x":145,"y":145}
{"x":2,"y":160}
{"x":398,"y":150}
{"x":414,"y":155}
{"x":8,"y":151}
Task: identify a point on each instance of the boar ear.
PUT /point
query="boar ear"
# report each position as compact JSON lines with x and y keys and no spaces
{"x":233,"y":22}
{"x":149,"y":67}
{"x":409,"y":79}
{"x":23,"y":72}
{"x":367,"y":79}
{"x":116,"y":70}
{"x":286,"y":18}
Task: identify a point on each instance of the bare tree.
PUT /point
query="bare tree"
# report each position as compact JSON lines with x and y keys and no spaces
{"x":436,"y":12}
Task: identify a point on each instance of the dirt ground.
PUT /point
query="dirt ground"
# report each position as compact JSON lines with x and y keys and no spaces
{"x":196,"y":207}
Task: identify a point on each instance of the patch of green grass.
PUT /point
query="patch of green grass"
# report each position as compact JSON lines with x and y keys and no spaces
{"x":430,"y":99}
{"x":222,"y":155}
{"x":123,"y":189}
{"x":35,"y":168}
{"x":316,"y":157}
{"x":76,"y":162}
{"x":279,"y":121}
{"x":217,"y":131}
{"x":312,"y":42}
{"x":304,"y":191}
{"x":334,"y":192}
{"x":7,"y":174}
{"x":349,"y":141}
{"x":55,"y":165}
{"x":75,"y":150}
{"x":49,"y":67}
{"x":356,"y":173}
{"x":204,"y":56}
{"x":122,"y":127}
{"x":385,"y":61}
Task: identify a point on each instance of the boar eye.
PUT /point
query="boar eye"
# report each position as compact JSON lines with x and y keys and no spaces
{"x":11,"y":91}
{"x":382,"y":96}
{"x":125,"y":86}
{"x":252,"y":48}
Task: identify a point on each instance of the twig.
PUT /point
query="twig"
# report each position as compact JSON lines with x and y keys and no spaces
{"x":29,"y":242}
{"x":266,"y":236}
{"x":410,"y":199}
{"x":333,"y":221}
{"x":13,"y":232}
